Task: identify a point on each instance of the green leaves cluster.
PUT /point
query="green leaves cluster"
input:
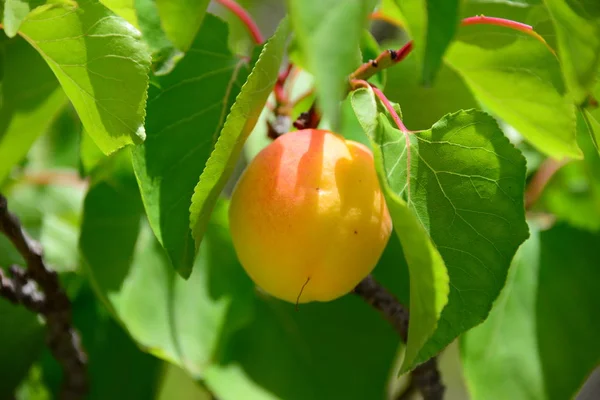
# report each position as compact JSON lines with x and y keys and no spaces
{"x":123,"y":125}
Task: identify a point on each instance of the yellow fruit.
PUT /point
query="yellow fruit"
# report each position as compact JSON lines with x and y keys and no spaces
{"x":307,"y":217}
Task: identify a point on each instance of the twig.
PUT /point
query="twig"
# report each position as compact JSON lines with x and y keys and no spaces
{"x":245,"y":18}
{"x":426,"y":376}
{"x":384,"y":60}
{"x":49,"y":300}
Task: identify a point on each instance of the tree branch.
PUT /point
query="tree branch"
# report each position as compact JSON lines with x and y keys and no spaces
{"x":48,"y":299}
{"x":426,"y":376}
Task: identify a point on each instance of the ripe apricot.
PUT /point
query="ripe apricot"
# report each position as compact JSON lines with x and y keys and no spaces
{"x":308,"y":216}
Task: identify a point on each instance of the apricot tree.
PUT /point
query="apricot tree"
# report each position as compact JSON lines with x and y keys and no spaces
{"x":334,"y":210}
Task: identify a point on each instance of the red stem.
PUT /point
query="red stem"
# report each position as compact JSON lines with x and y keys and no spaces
{"x":483,"y":20}
{"x":390,"y":108}
{"x":245,"y":18}
{"x":404,"y":51}
{"x":386,"y":103}
{"x":507,"y":23}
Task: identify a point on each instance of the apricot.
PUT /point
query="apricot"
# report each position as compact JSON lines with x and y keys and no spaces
{"x":307,"y":217}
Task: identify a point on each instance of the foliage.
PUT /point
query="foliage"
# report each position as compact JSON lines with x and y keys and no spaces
{"x":124,"y":125}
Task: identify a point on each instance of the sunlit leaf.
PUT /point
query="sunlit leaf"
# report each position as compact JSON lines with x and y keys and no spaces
{"x":577,"y":25}
{"x":101,"y":64}
{"x":463,"y":182}
{"x":123,"y":8}
{"x":517,"y":78}
{"x":186,"y":111}
{"x":428,"y":274}
{"x":181,"y":20}
{"x":31,"y":100}
{"x":239,"y":124}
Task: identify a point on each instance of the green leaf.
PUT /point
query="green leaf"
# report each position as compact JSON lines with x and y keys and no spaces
{"x":58,"y":148}
{"x":22,"y":339}
{"x":152,"y":32}
{"x":46,"y":211}
{"x":424,"y":106}
{"x":592,"y":118}
{"x":31,"y":99}
{"x":182,"y":321}
{"x":328,"y":33}
{"x":181,"y":20}
{"x":573,"y":193}
{"x":468,"y":192}
{"x":310,"y":354}
{"x":186,"y":112}
{"x":123,"y":8}
{"x":111,"y":219}
{"x":432,"y":25}
{"x":90,"y":155}
{"x":177,"y":384}
{"x":101,"y":64}
{"x":15,"y":12}
{"x":517,"y":78}
{"x":517,"y":3}
{"x":550,"y":299}
{"x":577,"y":26}
{"x":118,"y":368}
{"x":239,"y":124}
{"x":464,"y":182}
{"x":428,"y":275}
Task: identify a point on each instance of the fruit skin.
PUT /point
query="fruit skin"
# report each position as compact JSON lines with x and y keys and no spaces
{"x":309,"y":206}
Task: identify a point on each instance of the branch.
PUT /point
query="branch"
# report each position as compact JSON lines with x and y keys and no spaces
{"x":426,"y":376}
{"x":48,"y":299}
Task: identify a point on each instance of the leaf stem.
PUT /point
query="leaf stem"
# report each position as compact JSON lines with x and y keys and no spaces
{"x":245,"y":18}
